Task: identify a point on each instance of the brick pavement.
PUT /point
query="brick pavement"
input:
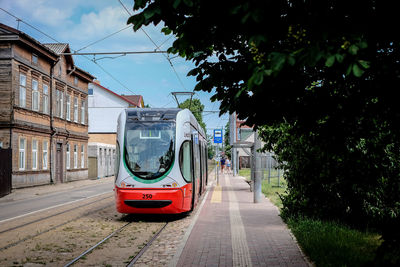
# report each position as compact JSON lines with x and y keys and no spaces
{"x":237,"y":232}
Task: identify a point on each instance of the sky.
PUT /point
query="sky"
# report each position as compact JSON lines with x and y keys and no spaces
{"x":83,"y":25}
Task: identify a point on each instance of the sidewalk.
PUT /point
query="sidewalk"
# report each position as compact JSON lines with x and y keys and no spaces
{"x":40,"y":190}
{"x":231,"y":230}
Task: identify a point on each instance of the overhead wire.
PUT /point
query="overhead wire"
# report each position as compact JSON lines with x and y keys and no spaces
{"x":102,"y":39}
{"x":50,"y":37}
{"x":157,"y":48}
{"x":21,"y":20}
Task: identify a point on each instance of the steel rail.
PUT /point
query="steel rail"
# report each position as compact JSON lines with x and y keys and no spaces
{"x":143,"y":250}
{"x":98,"y":244}
{"x":52,"y":228}
{"x":53,"y":215}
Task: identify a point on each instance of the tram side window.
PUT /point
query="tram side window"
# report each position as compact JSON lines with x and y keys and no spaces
{"x":185,"y":161}
{"x":197,"y":161}
{"x":116,"y":162}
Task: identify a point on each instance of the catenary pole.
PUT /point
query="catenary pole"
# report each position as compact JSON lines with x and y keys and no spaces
{"x":257,"y":169}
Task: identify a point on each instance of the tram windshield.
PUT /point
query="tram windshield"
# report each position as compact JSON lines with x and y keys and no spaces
{"x":149,"y":148}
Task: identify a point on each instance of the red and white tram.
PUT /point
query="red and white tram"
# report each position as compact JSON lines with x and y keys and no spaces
{"x":161,"y":164}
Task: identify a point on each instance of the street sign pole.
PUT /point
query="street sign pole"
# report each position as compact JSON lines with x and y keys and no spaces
{"x":217,"y":141}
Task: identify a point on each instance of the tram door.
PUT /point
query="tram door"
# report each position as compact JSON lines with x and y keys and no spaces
{"x":196,"y":168}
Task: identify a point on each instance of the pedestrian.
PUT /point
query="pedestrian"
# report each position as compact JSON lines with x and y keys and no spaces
{"x":228,"y":165}
{"x":222,"y":164}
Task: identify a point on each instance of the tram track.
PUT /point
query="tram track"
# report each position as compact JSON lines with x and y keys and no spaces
{"x":52,"y":228}
{"x":107,"y":238}
{"x":52,"y":215}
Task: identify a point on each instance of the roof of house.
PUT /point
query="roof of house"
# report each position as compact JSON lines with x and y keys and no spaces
{"x":6,"y":30}
{"x":57,"y":47}
{"x":123,"y":97}
{"x":136,"y":99}
{"x":60,"y":48}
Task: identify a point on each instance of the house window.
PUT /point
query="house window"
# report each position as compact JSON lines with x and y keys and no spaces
{"x":82,"y":156}
{"x":34,"y":59}
{"x":45,"y":99}
{"x":68,"y":158}
{"x":75,"y":109}
{"x":68,"y":111}
{"x":59,"y":69}
{"x":1,"y":144}
{"x":83,"y":112}
{"x":22,"y":90}
{"x":75,"y":156}
{"x":75,"y":80}
{"x":59,"y":103}
{"x":90,"y":91}
{"x":45,"y":155}
{"x":35,"y":95}
{"x":22,"y":146}
{"x":34,"y":155}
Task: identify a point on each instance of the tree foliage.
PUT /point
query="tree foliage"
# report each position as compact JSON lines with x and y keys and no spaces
{"x":196,"y":107}
{"x":320,"y":77}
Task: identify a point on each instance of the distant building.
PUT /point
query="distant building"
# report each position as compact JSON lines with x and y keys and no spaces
{"x":244,"y":133}
{"x":43,"y":110}
{"x":104,"y":109}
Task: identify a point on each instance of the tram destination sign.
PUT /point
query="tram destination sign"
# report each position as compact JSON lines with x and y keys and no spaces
{"x":217,"y":136}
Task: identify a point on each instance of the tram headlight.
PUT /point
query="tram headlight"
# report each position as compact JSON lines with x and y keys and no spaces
{"x":126,"y":185}
{"x":171,"y":185}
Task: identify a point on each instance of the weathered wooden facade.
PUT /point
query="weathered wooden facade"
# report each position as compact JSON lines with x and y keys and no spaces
{"x":43,"y":110}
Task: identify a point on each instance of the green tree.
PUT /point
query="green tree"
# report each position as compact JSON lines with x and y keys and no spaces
{"x":320,"y":78}
{"x":227,"y":146}
{"x":197,"y":108}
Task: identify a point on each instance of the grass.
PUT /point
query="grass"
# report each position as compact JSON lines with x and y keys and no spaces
{"x":333,"y":244}
{"x":270,"y":190}
{"x":325,"y":243}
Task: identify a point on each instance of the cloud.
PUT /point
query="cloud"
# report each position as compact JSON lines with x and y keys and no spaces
{"x":46,"y":12}
{"x":97,"y":24}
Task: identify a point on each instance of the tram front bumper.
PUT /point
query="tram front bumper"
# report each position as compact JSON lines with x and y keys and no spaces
{"x":141,"y":200}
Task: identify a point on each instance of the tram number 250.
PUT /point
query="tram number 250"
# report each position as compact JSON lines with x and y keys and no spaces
{"x":147,"y":196}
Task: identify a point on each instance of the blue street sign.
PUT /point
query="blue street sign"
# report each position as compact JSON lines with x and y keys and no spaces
{"x":217,"y":136}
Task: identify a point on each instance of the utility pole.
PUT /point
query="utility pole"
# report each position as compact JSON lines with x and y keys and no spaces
{"x":257,"y":169}
{"x":232,"y":137}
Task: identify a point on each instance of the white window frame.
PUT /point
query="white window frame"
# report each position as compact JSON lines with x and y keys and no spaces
{"x":75,"y":109}
{"x":75,"y":156}
{"x":83,"y":111}
{"x":75,"y":80}
{"x":35,"y":145}
{"x":61,"y":104}
{"x":22,"y":90}
{"x":59,"y":69}
{"x":35,"y":59}
{"x":68,"y":111}
{"x":22,"y":154}
{"x":45,"y":99}
{"x":35,"y":95}
{"x":82,"y":156}
{"x":45,"y":155}
{"x":68,"y":157}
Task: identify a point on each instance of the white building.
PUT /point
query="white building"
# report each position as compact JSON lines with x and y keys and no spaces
{"x":104,"y":107}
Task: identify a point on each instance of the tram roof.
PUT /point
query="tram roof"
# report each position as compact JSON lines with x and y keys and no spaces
{"x":152,"y":113}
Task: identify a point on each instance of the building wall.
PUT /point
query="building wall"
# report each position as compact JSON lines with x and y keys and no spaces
{"x":103,"y":159}
{"x":35,"y":126}
{"x":5,"y":83}
{"x":104,"y":109}
{"x":29,"y":175}
{"x":106,"y":138}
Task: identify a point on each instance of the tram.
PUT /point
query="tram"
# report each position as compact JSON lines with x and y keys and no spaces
{"x":161,"y":164}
